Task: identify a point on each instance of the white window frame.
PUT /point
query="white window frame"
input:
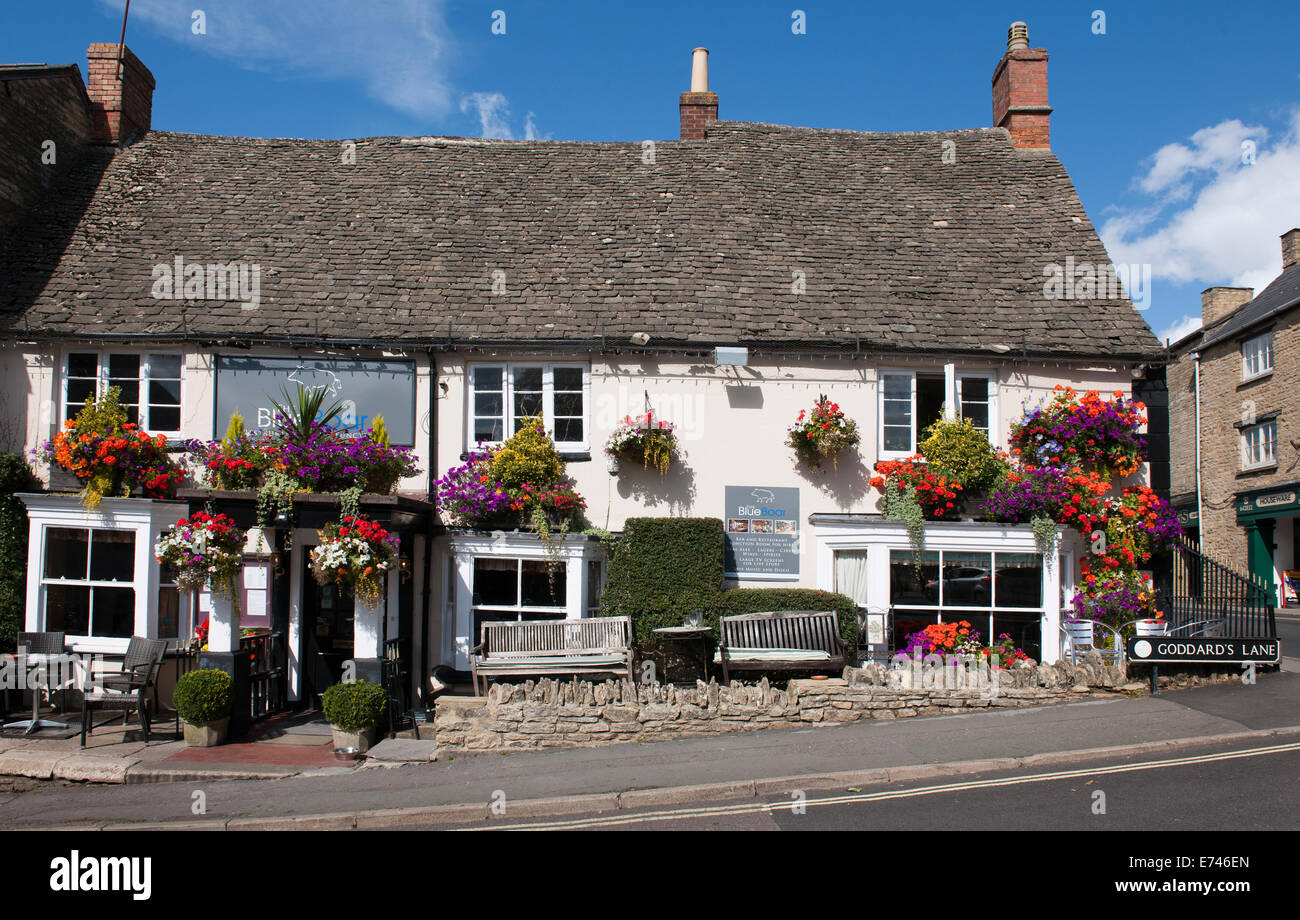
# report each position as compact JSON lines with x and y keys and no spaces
{"x":880,"y":408}
{"x":992,"y":400}
{"x":548,"y":369}
{"x":103,"y":356}
{"x":133,"y":584}
{"x":1257,"y":351}
{"x":952,"y":403}
{"x":1256,"y":438}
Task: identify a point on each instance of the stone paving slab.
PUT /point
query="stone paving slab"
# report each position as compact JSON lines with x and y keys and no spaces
{"x":404,"y":750}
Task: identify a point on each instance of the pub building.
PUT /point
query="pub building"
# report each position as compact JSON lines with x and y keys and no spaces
{"x":457,"y":286}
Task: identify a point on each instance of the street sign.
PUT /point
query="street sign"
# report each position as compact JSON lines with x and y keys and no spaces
{"x":1203,"y":650}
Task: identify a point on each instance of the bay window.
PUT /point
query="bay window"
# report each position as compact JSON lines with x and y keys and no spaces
{"x":89,"y":582}
{"x":501,"y":396}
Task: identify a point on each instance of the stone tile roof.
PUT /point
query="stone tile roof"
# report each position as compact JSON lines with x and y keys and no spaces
{"x":1282,"y":294}
{"x":899,"y":251}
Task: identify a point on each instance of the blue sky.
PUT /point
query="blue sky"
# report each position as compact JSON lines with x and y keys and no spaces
{"x":1150,"y":118}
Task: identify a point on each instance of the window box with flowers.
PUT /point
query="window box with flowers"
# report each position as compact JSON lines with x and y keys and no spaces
{"x":111,"y":456}
{"x":645,"y":440}
{"x":822,"y":433}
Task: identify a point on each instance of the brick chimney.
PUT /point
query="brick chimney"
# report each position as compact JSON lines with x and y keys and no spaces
{"x":699,"y":106}
{"x":1290,"y":248}
{"x":1220,"y":302}
{"x":1020,"y":90}
{"x":120,"y":108}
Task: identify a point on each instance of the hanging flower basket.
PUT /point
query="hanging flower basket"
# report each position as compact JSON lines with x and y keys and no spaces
{"x":644,"y":440}
{"x":355,"y":553}
{"x":822,"y":433}
{"x":204,"y":549}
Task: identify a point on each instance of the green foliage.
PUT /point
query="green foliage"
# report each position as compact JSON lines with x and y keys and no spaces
{"x":901,"y":504}
{"x":356,"y":706}
{"x":528,"y":456}
{"x":235,"y":430}
{"x":104,"y":415}
{"x":15,"y":476}
{"x":203,"y":696}
{"x":379,"y":431}
{"x":959,"y":450}
{"x":662,"y":568}
{"x":304,"y":411}
{"x":734,"y":601}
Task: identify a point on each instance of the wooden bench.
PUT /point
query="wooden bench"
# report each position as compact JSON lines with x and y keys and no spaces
{"x":787,"y":640}
{"x":600,"y":645}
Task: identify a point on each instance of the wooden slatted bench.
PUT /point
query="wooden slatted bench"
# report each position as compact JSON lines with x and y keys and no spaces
{"x":600,"y":645}
{"x":786,"y":640}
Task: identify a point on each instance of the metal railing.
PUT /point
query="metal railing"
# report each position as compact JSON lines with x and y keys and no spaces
{"x":395,"y":675}
{"x":1197,"y":589}
{"x":265,"y":673}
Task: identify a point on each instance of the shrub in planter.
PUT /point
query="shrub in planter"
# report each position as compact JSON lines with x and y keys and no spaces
{"x":962,"y":452}
{"x":355,"y":710}
{"x":203,"y":699}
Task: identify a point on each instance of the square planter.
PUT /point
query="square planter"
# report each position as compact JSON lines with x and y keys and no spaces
{"x":362,"y":740}
{"x":206,"y":734}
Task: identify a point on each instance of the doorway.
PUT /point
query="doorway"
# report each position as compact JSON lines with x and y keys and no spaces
{"x":327,"y":634}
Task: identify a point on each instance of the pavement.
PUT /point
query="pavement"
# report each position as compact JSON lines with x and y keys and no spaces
{"x":476,"y":789}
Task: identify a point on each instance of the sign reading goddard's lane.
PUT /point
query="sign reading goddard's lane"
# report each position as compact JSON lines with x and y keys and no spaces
{"x":1207,"y":649}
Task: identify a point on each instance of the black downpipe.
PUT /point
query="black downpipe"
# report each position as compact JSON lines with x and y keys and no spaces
{"x":428,"y":537}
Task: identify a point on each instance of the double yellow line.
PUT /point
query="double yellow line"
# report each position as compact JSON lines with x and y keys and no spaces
{"x":748,"y":808}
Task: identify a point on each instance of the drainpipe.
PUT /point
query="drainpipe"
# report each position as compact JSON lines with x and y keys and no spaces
{"x":426,"y":664}
{"x":1200,"y":517}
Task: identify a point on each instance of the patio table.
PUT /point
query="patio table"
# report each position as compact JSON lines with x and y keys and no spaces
{"x":35,"y":722}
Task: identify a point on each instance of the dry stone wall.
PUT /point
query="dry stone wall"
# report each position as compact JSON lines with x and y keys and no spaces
{"x":549,"y":712}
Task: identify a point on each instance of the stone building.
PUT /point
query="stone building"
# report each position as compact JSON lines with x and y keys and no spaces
{"x":725,"y":278}
{"x":1235,"y":421}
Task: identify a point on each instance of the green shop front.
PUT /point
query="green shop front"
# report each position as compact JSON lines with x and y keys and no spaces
{"x":1270,"y":517}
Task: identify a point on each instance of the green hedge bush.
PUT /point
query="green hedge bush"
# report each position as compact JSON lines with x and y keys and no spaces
{"x":764,"y":600}
{"x":355,"y":707}
{"x":662,"y":568}
{"x":15,"y":476}
{"x":203,"y":696}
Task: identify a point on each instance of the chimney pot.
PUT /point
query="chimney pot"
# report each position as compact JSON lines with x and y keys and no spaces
{"x":700,"y":70}
{"x":1018,"y":37}
{"x":1290,"y":248}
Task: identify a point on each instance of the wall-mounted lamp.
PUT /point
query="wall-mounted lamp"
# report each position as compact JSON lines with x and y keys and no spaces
{"x":404,"y":568}
{"x":731,"y":356}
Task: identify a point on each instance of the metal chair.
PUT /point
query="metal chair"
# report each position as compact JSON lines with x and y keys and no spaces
{"x":1212,"y":627}
{"x":1079,"y":638}
{"x":128,"y":689}
{"x":45,"y":644}
{"x":1147,"y":628}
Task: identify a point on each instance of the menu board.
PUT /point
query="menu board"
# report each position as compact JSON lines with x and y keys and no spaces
{"x":762,"y":524}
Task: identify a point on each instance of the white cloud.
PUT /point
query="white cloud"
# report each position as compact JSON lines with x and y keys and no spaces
{"x":398,"y":50}
{"x":1218,"y":218}
{"x":493,"y":110}
{"x":1184,"y":325}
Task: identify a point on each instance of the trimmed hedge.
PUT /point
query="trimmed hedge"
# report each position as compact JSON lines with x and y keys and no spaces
{"x":203,"y":696}
{"x":356,"y":706}
{"x":764,"y":600}
{"x":15,"y":476}
{"x":662,"y":568}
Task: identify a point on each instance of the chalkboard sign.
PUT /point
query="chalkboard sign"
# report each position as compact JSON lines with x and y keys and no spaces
{"x":762,"y":524}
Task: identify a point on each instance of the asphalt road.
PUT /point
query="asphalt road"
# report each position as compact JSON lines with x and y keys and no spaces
{"x":1224,"y":788}
{"x":625,"y":770}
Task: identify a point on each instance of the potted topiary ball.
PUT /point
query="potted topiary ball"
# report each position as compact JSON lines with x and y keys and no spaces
{"x":203,"y":699}
{"x":354,"y":710}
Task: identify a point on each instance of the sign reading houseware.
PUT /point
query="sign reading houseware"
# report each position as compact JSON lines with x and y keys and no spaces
{"x":365,"y":388}
{"x":762,"y":532}
{"x":1206,"y":649}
